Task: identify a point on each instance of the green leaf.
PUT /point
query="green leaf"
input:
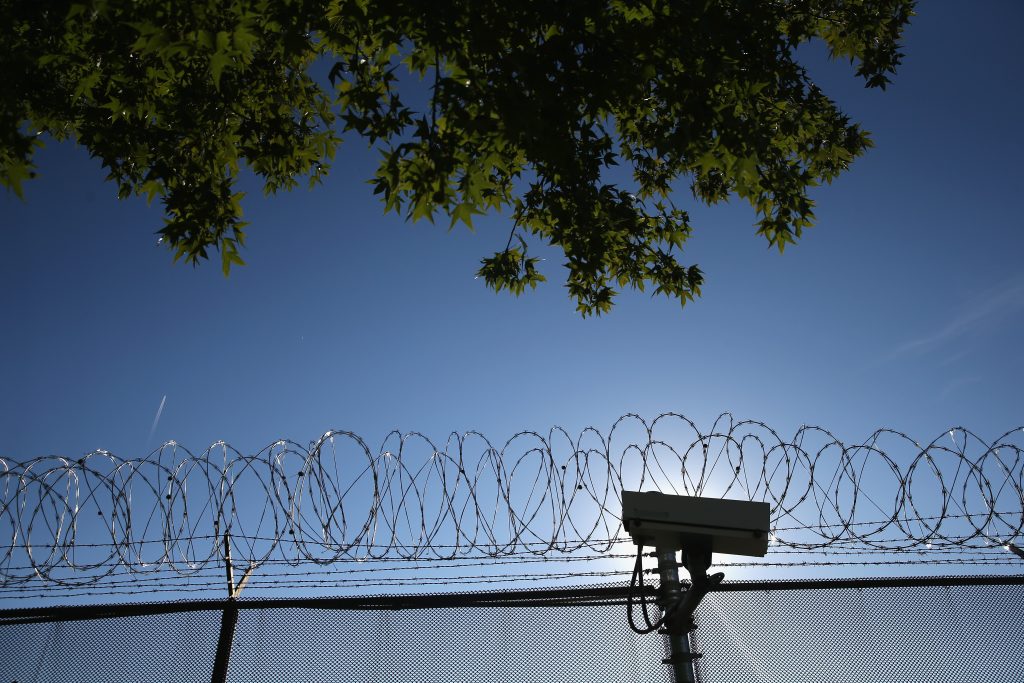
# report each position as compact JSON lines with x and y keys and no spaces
{"x":522,"y":111}
{"x":218,"y":62}
{"x":229,"y":255}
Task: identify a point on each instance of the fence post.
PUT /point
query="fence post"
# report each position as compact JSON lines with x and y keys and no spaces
{"x":229,"y":618}
{"x":227,"y":635}
{"x":677,"y":625}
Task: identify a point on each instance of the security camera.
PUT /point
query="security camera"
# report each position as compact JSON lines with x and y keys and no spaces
{"x":721,"y":525}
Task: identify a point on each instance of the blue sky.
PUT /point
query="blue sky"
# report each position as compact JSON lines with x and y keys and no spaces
{"x":902,"y":307}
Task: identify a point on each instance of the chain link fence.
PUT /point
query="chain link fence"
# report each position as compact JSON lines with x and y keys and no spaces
{"x":906,"y":630}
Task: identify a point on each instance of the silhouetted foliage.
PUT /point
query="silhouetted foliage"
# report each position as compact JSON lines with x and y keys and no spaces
{"x":525,"y":105}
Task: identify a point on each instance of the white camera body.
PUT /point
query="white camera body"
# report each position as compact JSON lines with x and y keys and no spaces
{"x":734,"y":527}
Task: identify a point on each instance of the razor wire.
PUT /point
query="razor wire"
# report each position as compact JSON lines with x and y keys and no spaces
{"x":77,"y":521}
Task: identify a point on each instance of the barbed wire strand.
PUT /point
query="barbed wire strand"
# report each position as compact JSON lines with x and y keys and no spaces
{"x":83,"y":521}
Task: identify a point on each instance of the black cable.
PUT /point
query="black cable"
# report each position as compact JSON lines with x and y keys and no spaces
{"x":638,"y":577}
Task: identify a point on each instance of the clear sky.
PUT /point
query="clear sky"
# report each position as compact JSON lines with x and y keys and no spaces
{"x":903,"y":307}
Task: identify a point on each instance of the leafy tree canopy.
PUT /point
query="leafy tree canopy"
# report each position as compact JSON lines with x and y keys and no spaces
{"x":524,"y":105}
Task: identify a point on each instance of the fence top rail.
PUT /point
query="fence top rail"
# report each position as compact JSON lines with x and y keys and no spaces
{"x":576,"y":596}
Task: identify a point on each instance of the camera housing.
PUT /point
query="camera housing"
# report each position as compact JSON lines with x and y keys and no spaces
{"x":721,"y":525}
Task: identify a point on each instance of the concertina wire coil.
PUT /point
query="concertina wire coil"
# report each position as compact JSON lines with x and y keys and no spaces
{"x":77,"y":520}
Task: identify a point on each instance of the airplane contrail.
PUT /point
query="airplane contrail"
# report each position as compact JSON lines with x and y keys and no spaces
{"x":156,"y":419}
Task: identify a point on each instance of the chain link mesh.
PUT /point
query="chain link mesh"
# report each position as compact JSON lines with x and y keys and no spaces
{"x":896,"y":633}
{"x":924,"y":634}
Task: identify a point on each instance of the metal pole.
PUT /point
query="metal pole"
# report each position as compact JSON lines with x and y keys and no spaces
{"x":227,"y":634}
{"x":677,"y":626}
{"x":228,"y":620}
